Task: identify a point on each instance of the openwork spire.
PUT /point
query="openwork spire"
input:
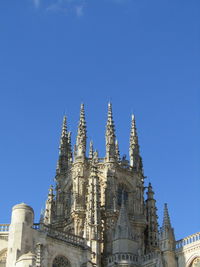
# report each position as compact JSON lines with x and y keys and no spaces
{"x":81,"y":136}
{"x":62,"y":163}
{"x":134,"y":149}
{"x":110,"y":135}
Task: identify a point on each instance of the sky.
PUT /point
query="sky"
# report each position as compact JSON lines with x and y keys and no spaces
{"x":142,"y":55}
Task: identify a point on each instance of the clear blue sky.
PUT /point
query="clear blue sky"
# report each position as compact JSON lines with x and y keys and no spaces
{"x":143,"y":55}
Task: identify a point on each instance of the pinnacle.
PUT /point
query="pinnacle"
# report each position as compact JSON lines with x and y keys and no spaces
{"x":51,"y":190}
{"x":64,"y":127}
{"x":91,"y":151}
{"x":110,"y":116}
{"x":81,"y":136}
{"x":134,"y":149}
{"x":133,"y":135}
{"x":166,"y":218}
{"x":150,"y":192}
{"x":64,"y":138}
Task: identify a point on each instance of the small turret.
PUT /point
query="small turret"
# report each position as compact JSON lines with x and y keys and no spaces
{"x":50,"y":207}
{"x":167,"y":240}
{"x":134,"y":149}
{"x":81,"y":136}
{"x":110,"y":136}
{"x":152,"y":223}
{"x":166,"y":231}
{"x":19,"y":231}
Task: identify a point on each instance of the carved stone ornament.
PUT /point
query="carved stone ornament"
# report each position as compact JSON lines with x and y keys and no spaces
{"x":61,"y":261}
{"x":196,"y":262}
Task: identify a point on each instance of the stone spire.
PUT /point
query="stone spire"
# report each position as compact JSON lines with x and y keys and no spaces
{"x":81,"y":136}
{"x":167,"y":240}
{"x":152,"y":223}
{"x":49,"y":208}
{"x":117,"y":150}
{"x":123,"y":228}
{"x":134,"y":149}
{"x":62,"y":164}
{"x":166,"y":218}
{"x":70,"y":157}
{"x":166,"y":231}
{"x":91,"y":152}
{"x":110,"y":136}
{"x":123,"y":239}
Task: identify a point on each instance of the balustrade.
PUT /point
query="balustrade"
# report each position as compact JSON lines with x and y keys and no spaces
{"x":4,"y":227}
{"x":187,"y":240}
{"x":69,"y":238}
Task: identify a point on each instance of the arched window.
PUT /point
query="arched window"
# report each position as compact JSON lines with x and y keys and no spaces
{"x":61,"y":261}
{"x":196,"y":262}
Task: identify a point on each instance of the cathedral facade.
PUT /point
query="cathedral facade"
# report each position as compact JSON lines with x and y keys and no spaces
{"x":100,"y":213}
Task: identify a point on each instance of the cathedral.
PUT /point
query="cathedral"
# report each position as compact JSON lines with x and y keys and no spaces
{"x":99,"y":213}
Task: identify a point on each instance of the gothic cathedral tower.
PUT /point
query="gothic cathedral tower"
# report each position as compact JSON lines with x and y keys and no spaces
{"x":103,"y":199}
